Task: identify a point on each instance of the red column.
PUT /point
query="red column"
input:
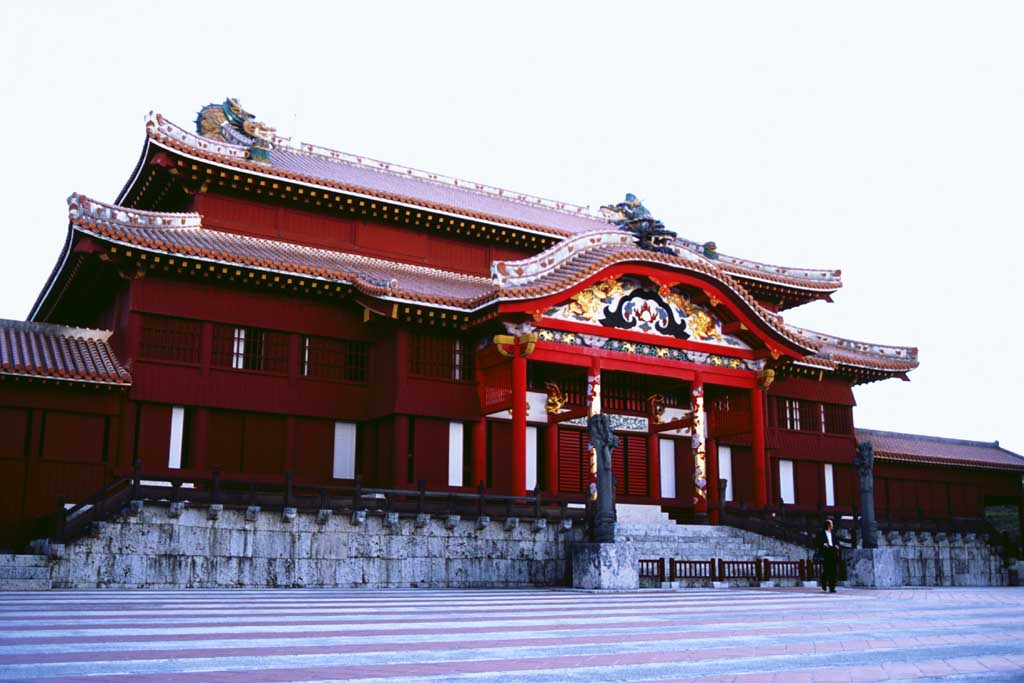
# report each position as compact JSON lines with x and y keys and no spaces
{"x":654,"y":466}
{"x":712,"y":451}
{"x":760,"y":462}
{"x":400,"y":453}
{"x":518,"y":483}
{"x":594,"y":387}
{"x":551,"y":458}
{"x":699,"y":442}
{"x":479,"y":472}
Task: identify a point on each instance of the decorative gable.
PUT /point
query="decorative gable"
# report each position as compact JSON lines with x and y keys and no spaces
{"x":641,"y":305}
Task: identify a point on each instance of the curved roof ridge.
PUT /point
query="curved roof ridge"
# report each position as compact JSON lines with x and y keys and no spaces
{"x":83,"y":208}
{"x":445,"y":193}
{"x":825,"y":274}
{"x":439,"y":178}
{"x":857,"y":346}
{"x":324,"y":168}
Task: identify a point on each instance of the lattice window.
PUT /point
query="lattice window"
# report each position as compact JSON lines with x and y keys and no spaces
{"x":250,"y":348}
{"x":838,"y":419}
{"x":170,"y":339}
{"x":443,"y":357}
{"x":791,"y":408}
{"x":335,"y":359}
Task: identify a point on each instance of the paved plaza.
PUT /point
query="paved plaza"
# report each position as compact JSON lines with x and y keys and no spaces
{"x":498,"y":635}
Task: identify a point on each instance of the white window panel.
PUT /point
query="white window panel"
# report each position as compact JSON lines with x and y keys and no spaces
{"x":238,"y":349}
{"x":344,"y":450}
{"x":725,"y":470}
{"x":531,"y":458}
{"x":455,"y":453}
{"x":787,"y":491}
{"x":667,"y":460}
{"x":830,"y":486}
{"x":177,"y":437}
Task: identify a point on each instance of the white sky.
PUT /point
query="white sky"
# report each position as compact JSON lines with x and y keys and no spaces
{"x":882,"y":138}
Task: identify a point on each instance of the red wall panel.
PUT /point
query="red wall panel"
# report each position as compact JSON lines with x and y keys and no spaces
{"x":153,"y":435}
{"x":430,"y":452}
{"x":14,"y":428}
{"x":74,"y":437}
{"x":264,"y":444}
{"x":314,"y":450}
{"x":499,"y":448}
{"x":684,"y":471}
{"x":809,"y":485}
{"x":225,"y":440}
{"x":743,"y":476}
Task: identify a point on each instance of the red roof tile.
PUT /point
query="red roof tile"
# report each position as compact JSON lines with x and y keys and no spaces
{"x":61,"y":353}
{"x":938,"y":450}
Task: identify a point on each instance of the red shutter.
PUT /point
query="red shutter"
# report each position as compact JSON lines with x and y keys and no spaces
{"x":636,"y":465}
{"x":573,"y":463}
{"x":619,"y":466}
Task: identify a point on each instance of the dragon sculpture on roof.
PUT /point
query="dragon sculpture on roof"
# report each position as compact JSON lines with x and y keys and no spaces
{"x":633,"y":216}
{"x":229,"y":122}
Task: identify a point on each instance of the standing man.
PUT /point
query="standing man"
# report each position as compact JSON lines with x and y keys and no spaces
{"x":828,"y":549}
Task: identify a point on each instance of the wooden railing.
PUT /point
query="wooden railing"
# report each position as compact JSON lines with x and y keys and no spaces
{"x":69,"y":523}
{"x":761,"y":569}
{"x":653,"y":569}
{"x":692,"y":569}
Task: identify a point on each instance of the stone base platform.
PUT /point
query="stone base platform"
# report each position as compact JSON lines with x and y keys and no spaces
{"x":605,"y":566}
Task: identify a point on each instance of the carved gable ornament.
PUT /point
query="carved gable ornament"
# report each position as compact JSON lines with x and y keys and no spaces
{"x":639,"y":305}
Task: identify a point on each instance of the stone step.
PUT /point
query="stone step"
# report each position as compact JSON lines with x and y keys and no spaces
{"x":23,"y":561}
{"x":27,"y":572}
{"x":25,"y":584}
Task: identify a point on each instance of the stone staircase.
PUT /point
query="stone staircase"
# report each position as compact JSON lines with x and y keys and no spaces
{"x":24,"y":573}
{"x":654,"y":535}
{"x":702,"y":542}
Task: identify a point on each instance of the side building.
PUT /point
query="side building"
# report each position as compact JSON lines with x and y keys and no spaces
{"x":276,"y":311}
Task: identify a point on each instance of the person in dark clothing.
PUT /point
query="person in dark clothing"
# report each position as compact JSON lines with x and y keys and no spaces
{"x":828,"y":549}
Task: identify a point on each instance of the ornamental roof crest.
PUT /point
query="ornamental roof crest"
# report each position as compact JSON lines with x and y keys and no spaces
{"x":229,"y":122}
{"x":633,"y":216}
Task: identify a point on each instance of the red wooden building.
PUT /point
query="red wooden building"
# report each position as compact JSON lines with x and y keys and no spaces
{"x":278,"y":308}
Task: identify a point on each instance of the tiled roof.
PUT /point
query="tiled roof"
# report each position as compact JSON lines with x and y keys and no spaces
{"x":351,"y":173}
{"x":183,"y":234}
{"x":916,"y":448}
{"x":821,"y":280}
{"x":568,"y":262}
{"x":556,"y":269}
{"x":59,"y":353}
{"x":834,"y":351}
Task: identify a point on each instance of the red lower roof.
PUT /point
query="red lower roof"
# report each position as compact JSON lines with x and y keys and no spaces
{"x":40,"y":350}
{"x":916,"y":448}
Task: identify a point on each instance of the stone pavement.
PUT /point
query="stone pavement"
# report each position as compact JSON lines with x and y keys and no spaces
{"x":512,"y":635}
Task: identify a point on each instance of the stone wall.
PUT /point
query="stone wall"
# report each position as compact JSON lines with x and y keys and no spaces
{"x":158,"y":547}
{"x":161,"y":546}
{"x":925,"y":559}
